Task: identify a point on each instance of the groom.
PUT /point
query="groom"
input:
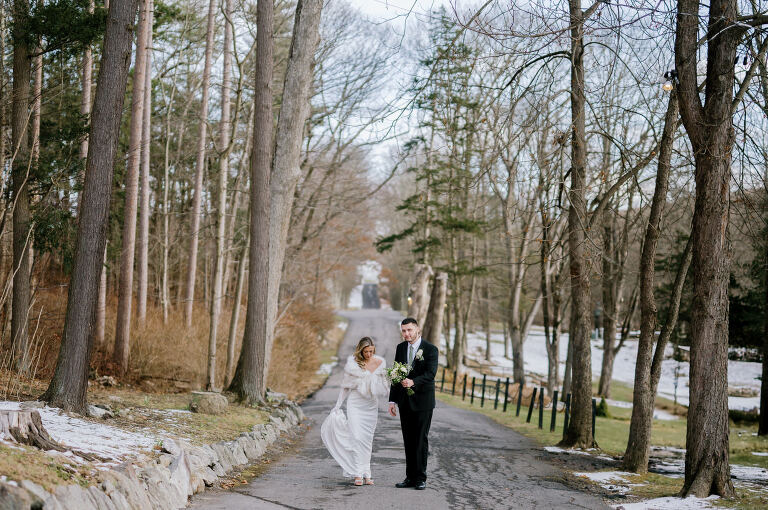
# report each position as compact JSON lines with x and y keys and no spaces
{"x":416,"y":409}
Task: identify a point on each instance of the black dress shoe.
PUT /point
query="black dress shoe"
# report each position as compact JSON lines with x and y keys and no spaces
{"x":405,"y":483}
{"x":420,"y":486}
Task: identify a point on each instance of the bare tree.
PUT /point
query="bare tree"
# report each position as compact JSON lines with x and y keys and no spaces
{"x":249,"y":380}
{"x":709,"y":127}
{"x":142,"y":264}
{"x":68,"y":386}
{"x":122,"y":348}
{"x":252,"y":368}
{"x":644,"y":392}
{"x":579,"y":433}
{"x":221,"y":203}
{"x":202,"y":141}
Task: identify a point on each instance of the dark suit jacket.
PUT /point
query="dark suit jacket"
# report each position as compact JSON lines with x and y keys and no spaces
{"x":423,"y":376}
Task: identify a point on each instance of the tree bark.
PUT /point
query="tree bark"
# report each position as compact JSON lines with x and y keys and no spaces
{"x":235,"y":319}
{"x":579,"y":433}
{"x":762,"y":429}
{"x":68,"y":386}
{"x":419,"y":293}
{"x":221,"y":225}
{"x":87,"y":84}
{"x":189,"y":297}
{"x":146,"y":143}
{"x":286,"y":171}
{"x":643,"y":399}
{"x":122,"y":348}
{"x":432,"y":330}
{"x":20,"y":187}
{"x":250,"y":380}
{"x":710,"y":130}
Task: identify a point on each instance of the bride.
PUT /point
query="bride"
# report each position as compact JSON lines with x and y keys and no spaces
{"x":349,"y":438}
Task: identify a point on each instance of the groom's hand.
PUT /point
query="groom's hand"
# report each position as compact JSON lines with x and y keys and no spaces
{"x":392,"y":409}
{"x":406,"y":383}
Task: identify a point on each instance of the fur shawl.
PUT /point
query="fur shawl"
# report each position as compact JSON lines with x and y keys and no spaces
{"x":369,"y":384}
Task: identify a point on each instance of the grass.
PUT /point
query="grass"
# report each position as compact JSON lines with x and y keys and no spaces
{"x":611,"y":436}
{"x":138,"y":410}
{"x":20,"y":462}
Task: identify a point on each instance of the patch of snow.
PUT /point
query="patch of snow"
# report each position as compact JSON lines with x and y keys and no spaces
{"x":557,"y":449}
{"x":749,"y":473}
{"x":671,"y":502}
{"x":604,"y":478}
{"x":658,"y":414}
{"x":760,"y":454}
{"x":97,"y":438}
{"x":342,"y":325}
{"x":327,"y":368}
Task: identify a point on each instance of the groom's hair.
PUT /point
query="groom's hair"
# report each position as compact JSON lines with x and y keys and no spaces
{"x":409,"y":320}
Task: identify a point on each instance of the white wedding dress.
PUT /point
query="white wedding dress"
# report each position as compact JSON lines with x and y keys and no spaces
{"x":349,"y":438}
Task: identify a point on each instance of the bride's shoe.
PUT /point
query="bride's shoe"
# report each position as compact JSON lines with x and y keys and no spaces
{"x":358,"y":481}
{"x":368,"y":481}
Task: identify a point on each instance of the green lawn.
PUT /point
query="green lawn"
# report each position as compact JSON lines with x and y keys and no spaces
{"x":611,"y":436}
{"x":611,"y":433}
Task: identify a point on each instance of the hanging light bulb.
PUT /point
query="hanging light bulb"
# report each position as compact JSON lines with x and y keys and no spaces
{"x":669,"y":83}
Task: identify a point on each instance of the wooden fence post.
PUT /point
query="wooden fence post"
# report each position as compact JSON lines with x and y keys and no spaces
{"x":453,"y":384}
{"x":541,"y":408}
{"x":519,"y":398}
{"x":567,"y":413}
{"x":506,"y":394}
{"x":533,"y":403}
{"x":496,"y":398}
{"x":482,"y":395}
{"x":472,"y":395}
{"x":554,"y":411}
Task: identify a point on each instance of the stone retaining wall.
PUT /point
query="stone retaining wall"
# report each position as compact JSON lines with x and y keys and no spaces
{"x":163,"y":483}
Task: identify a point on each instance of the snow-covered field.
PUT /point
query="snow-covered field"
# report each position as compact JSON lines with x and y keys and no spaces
{"x":741,"y":374}
{"x":86,"y":436}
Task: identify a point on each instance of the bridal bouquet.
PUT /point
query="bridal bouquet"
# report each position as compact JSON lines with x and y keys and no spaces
{"x":397,"y":372}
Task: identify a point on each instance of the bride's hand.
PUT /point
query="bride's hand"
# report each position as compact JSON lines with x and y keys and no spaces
{"x":392,"y":410}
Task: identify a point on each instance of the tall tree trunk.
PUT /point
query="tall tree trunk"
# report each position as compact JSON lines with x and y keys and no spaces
{"x":20,"y":187}
{"x":286,"y":171}
{"x":762,"y":429}
{"x":87,"y":85}
{"x":202,"y":141}
{"x":432,"y":330}
{"x":579,"y":433}
{"x":419,"y":293}
{"x":37,"y":100}
{"x":146,"y":142}
{"x":486,"y":301}
{"x":234,"y":321}
{"x":710,"y":130}
{"x":639,"y":443}
{"x":221,"y":205}
{"x":122,"y":349}
{"x":68,"y":386}
{"x":250,"y":379}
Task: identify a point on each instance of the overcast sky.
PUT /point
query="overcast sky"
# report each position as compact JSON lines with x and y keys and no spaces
{"x":381,"y":10}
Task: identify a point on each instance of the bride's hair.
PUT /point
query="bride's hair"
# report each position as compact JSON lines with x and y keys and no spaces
{"x":364,"y":342}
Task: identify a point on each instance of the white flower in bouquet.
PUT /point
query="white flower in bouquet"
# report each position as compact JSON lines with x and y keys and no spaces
{"x":397,"y":372}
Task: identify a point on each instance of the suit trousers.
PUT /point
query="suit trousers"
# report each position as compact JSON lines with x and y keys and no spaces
{"x":415,"y":427}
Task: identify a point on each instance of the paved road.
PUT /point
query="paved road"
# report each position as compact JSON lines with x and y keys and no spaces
{"x":474,"y":462}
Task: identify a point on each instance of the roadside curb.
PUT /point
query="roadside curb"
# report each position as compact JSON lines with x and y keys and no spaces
{"x":164,"y":483}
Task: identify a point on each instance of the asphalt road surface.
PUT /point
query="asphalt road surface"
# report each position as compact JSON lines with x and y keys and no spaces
{"x":473,"y":462}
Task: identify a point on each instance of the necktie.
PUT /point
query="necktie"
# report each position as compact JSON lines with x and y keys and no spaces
{"x":410,"y":355}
